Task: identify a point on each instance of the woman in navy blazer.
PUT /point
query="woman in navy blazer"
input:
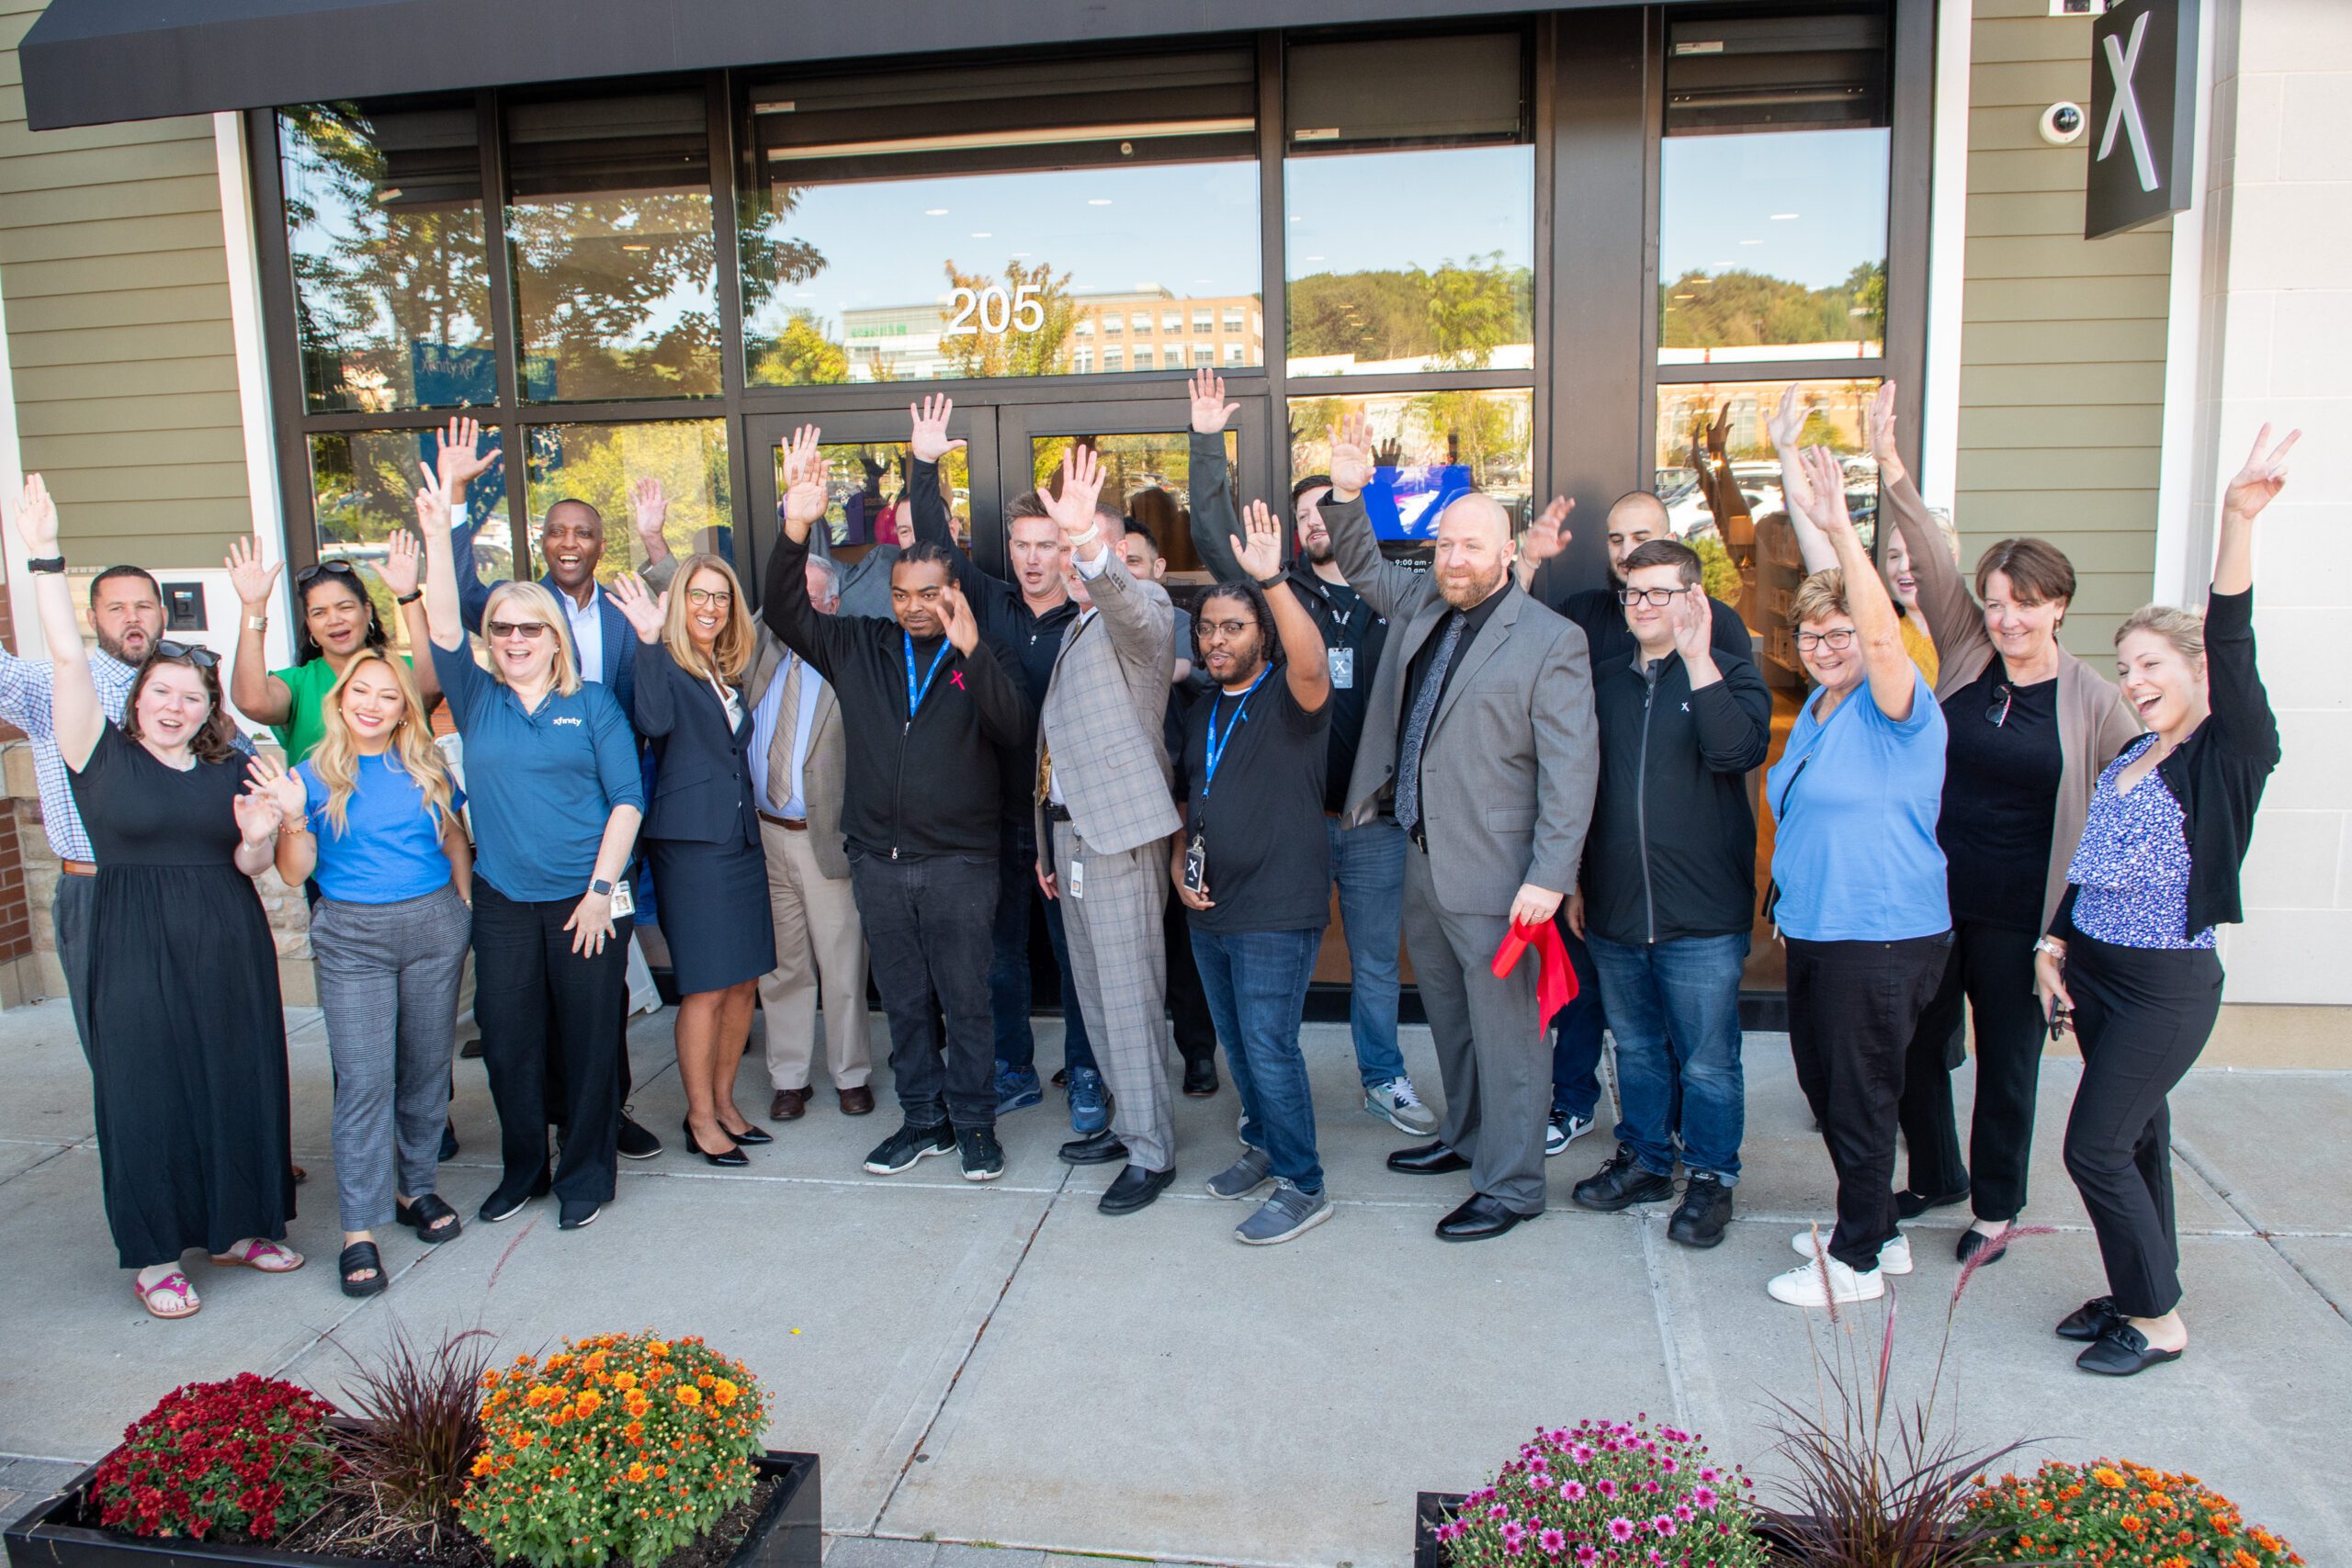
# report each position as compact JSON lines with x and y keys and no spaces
{"x":702,"y":831}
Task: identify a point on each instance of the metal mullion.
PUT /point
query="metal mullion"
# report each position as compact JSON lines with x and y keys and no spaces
{"x":1541,"y":44}
{"x":718,"y":105}
{"x":634,"y":411}
{"x":1649,"y":372}
{"x":281,"y":348}
{"x":1873,"y":368}
{"x":395,"y":419}
{"x":1910,"y":171}
{"x":1413,"y":381}
{"x":1007,"y":392}
{"x":1272,"y":468}
{"x":506,"y":347}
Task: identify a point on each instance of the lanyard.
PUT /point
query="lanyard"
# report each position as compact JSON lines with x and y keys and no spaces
{"x":1216,"y":743}
{"x":915,"y":693}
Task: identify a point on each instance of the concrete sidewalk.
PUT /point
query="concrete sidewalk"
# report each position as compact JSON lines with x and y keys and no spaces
{"x":1003,"y":1367}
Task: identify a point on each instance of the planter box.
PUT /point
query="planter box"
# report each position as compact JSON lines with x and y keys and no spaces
{"x":788,"y":1533}
{"x":1432,"y":1510}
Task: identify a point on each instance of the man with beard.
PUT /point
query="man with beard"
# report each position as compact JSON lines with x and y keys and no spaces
{"x":1480,"y":738}
{"x":1368,"y":858}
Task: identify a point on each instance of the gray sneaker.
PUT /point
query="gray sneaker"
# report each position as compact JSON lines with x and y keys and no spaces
{"x":1284,"y":1216}
{"x":1243,"y":1177}
{"x":1395,"y":1103}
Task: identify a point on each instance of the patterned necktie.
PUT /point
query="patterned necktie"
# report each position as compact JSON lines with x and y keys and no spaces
{"x":1417,"y":727}
{"x":787,"y":726}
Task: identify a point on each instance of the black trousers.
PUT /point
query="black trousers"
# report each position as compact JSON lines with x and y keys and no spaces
{"x":1989,"y":972}
{"x":538,"y":1000}
{"x":1187,"y":1005}
{"x":2142,"y":1016}
{"x":929,"y":937}
{"x":1853,"y":1008}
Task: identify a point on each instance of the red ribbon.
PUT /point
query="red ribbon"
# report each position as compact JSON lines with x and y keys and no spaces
{"x":1555,"y":978}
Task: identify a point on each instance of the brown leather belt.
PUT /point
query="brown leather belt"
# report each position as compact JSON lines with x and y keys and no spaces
{"x":796,"y":824}
{"x":77,"y":868}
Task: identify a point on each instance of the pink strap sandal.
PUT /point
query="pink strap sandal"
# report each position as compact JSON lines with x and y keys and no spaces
{"x":266,"y":1256}
{"x":173,"y":1288}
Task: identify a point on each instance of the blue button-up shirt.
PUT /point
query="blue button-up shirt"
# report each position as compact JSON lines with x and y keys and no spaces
{"x":27,"y":692}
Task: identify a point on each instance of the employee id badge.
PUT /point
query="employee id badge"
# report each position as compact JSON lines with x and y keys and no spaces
{"x":1078,"y":879}
{"x":624,"y":902}
{"x":1196,"y":866}
{"x":1343,"y":668}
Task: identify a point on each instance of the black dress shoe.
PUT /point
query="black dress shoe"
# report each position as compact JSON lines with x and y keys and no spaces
{"x":731,"y":1159}
{"x":1973,"y":1241}
{"x":2121,"y":1351}
{"x":2090,"y":1320}
{"x":1426,"y":1159}
{"x":750,"y":1136}
{"x":635,"y":1142}
{"x":1096,"y":1148}
{"x":1135,"y":1189}
{"x":1621,"y":1183}
{"x":1910,"y":1205}
{"x":1200,"y":1077}
{"x":1480,"y":1219}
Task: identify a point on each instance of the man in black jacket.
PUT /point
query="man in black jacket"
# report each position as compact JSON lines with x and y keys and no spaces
{"x":919,"y":814}
{"x":1667,"y":887}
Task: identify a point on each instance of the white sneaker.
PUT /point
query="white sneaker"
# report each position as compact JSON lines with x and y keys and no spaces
{"x":1895,"y":1257}
{"x":1826,"y":1282}
{"x":1395,"y":1103}
{"x":1562,"y":1130}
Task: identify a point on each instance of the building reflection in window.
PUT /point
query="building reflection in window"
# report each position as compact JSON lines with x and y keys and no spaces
{"x":598,"y":462}
{"x":866,"y":499}
{"x":384,"y":231}
{"x":1147,"y":477}
{"x":1429,"y":447}
{"x":608,"y":224}
{"x":363,"y":490}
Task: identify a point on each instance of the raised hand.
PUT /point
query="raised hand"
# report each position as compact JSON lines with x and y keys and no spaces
{"x":2265,"y":475}
{"x":1548,"y":535}
{"x":1389,"y":453}
{"x":1880,"y":420}
{"x":804,"y":471}
{"x":1073,"y":508}
{"x":929,"y":442}
{"x":1692,"y":617}
{"x":1785,"y":424}
{"x":1210,"y":410}
{"x":1826,"y":480}
{"x":36,"y":518}
{"x":402,"y":565}
{"x":1350,"y":456}
{"x":1719,"y":432}
{"x":462,"y":458}
{"x":649,"y":509}
{"x":250,"y":575}
{"x":259,"y":815}
{"x":433,"y":507}
{"x":639,"y":606}
{"x":1261,"y":553}
{"x":263,"y":776}
{"x":955,"y":616}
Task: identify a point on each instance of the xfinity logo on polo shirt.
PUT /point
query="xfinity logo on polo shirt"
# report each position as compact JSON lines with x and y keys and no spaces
{"x":574,"y":721}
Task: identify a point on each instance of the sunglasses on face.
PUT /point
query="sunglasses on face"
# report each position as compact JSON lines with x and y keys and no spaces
{"x":1837,"y":641}
{"x":202,"y":658}
{"x":527,"y":630}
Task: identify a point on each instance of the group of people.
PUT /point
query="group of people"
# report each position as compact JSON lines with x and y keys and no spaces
{"x":810,"y":794}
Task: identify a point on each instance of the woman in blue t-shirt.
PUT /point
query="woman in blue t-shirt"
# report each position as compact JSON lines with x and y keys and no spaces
{"x":1861,"y":902}
{"x":373,"y":815}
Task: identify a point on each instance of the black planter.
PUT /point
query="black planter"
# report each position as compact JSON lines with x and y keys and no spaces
{"x":1432,"y":1510}
{"x":788,"y":1533}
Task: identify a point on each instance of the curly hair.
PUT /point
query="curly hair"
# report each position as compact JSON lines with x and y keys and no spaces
{"x":1269,"y":646}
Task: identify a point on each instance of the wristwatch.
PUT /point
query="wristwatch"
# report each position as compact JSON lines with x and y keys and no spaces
{"x":45,"y":563}
{"x":1272,"y":582}
{"x":410,"y":597}
{"x":600,"y":885}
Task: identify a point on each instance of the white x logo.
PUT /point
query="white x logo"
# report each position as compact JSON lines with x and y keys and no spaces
{"x":2124,"y":111}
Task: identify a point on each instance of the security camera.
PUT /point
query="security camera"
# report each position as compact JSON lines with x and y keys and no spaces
{"x":2061,"y":124}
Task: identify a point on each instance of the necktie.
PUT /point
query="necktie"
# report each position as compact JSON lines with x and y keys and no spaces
{"x":787,"y":726}
{"x":1417,"y":726}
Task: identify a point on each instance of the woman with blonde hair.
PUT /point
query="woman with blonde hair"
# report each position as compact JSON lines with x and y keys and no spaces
{"x":695,"y":645}
{"x":373,"y":814}
{"x":551,"y":767}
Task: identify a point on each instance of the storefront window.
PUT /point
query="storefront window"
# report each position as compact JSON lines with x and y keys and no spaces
{"x":1147,"y":477}
{"x":1429,"y":447}
{"x":598,"y":462}
{"x":363,"y":490}
{"x":616,"y":266}
{"x":384,"y":231}
{"x":865,"y":494}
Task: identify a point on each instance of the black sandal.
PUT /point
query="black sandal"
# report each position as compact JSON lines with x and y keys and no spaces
{"x":433,"y":1221}
{"x":357,"y":1257}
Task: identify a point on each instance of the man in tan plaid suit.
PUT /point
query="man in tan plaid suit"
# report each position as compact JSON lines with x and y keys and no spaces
{"x":1104,"y":818}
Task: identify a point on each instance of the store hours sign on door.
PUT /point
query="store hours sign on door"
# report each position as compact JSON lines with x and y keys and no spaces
{"x":2143,"y":137}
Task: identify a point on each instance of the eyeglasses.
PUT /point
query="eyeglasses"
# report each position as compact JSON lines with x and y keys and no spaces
{"x":527,"y":630}
{"x":1837,"y":641}
{"x":1226,"y":629}
{"x":1998,"y":714}
{"x":719,"y":597}
{"x":1661,"y":597}
{"x":311,"y":573}
{"x":202,"y":658}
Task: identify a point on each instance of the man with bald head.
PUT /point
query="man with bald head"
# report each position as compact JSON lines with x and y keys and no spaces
{"x":1478,"y":739}
{"x":1635,"y":519}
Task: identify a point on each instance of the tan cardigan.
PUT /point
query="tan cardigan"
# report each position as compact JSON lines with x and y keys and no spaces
{"x":2094,"y":721}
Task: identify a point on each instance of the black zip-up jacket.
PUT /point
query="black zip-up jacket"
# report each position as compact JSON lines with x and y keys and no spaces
{"x":1359,"y":629}
{"x":905,"y":795}
{"x":2218,"y":772}
{"x":1672,"y":849}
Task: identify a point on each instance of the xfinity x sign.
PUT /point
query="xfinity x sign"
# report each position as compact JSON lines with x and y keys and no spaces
{"x":2144,"y":115}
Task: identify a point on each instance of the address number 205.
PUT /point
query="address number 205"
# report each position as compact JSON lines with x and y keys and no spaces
{"x":994,"y":310}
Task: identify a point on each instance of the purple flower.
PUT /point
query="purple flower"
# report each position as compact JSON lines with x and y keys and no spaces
{"x":1553,"y":1542}
{"x":1620,"y":1529}
{"x":1587,"y":1555}
{"x":1572,"y":1489}
{"x":1667,"y":1465}
{"x":1606,"y":1487}
{"x":1682,"y":1512}
{"x":1664,"y":1525}
{"x":1581,"y":1453}
{"x":1537,"y":1464}
{"x":1512,"y":1533}
{"x":1704,"y":1497}
{"x":1709,"y":1472}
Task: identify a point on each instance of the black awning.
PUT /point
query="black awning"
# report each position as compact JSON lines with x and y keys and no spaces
{"x":96,"y":61}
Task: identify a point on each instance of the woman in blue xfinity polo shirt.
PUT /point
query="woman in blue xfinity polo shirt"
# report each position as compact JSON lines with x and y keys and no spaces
{"x":551,"y":767}
{"x":1862,"y":904}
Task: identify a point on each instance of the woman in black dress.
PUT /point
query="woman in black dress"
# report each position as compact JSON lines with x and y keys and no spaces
{"x":702,"y":831}
{"x":187,"y":1038}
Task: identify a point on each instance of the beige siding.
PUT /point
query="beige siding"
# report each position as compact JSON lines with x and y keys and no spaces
{"x":117,"y":287}
{"x":2063,"y":345}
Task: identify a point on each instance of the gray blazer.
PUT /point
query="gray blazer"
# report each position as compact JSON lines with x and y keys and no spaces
{"x":822,"y":772}
{"x":1103,"y":714}
{"x":1511,"y":758}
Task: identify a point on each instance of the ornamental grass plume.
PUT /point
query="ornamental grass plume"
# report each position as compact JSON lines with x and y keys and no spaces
{"x":2115,"y":1514}
{"x":1608,"y":1494}
{"x":247,"y":1457}
{"x":418,"y":1428}
{"x":619,"y":1446}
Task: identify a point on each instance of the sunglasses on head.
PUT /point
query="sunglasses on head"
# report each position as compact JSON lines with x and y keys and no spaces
{"x":202,"y":658}
{"x":312,"y":572}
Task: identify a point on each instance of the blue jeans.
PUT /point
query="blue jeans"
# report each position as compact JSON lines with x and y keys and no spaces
{"x":1368,"y":865}
{"x":1673,"y":1007}
{"x":1576,"y":1037}
{"x":1256,"y":985}
{"x":1009,"y":995}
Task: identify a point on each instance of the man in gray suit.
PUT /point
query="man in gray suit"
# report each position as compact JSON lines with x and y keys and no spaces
{"x":1479,"y":738}
{"x":1103,"y":816}
{"x":797,"y":772}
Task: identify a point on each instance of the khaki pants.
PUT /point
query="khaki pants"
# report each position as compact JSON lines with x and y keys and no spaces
{"x":816,"y":936}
